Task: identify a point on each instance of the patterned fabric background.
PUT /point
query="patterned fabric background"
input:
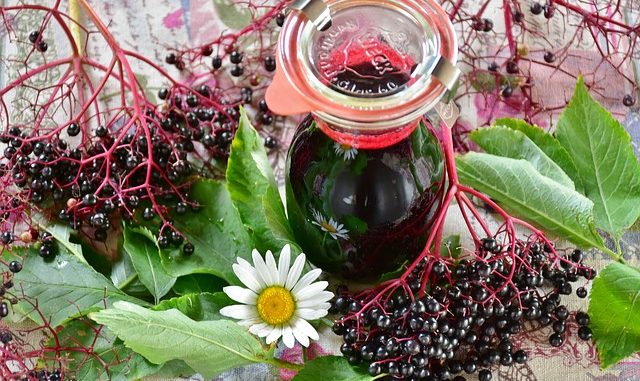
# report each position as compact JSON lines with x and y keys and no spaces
{"x":148,"y":26}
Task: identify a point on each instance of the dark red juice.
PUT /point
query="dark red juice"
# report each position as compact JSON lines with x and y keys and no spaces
{"x":360,"y":213}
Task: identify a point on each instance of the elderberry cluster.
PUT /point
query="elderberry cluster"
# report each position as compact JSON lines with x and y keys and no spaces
{"x":46,"y":375}
{"x":465,"y":320}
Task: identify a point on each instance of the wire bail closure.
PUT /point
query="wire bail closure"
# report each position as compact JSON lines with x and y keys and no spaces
{"x":316,"y":11}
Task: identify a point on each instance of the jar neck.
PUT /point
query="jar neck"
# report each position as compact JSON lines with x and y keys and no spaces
{"x":364,"y":138}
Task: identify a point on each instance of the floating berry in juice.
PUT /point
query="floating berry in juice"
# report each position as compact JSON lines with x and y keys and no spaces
{"x":361,"y":212}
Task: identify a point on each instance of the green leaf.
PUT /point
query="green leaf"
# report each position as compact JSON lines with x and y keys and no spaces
{"x":333,"y":368}
{"x":523,"y":191}
{"x":62,"y":234}
{"x":208,"y":347}
{"x":607,"y":165}
{"x":198,"y":283}
{"x":231,"y":14}
{"x":503,"y":141}
{"x":450,"y":246}
{"x":614,"y":309}
{"x":145,"y":256}
{"x":216,"y":232}
{"x":393,"y":274}
{"x":548,"y":144}
{"x":254,"y":191}
{"x":103,"y":356}
{"x":65,"y":287}
{"x":202,"y":306}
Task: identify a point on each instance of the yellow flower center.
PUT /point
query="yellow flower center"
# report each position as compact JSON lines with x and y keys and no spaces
{"x":345,"y":147}
{"x":276,"y":305}
{"x":328,"y":227}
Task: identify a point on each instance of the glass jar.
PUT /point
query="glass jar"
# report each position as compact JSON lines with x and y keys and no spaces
{"x":364,"y":170}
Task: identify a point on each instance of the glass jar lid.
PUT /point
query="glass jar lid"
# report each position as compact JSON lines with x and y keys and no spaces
{"x":378,"y":64}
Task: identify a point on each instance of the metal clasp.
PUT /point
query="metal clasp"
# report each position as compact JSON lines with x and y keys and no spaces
{"x":316,"y":11}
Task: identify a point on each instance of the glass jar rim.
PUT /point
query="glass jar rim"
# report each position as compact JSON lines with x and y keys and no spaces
{"x":365,"y":113}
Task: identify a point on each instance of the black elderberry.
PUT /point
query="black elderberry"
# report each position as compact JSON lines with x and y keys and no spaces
{"x":216,"y":62}
{"x":73,"y":129}
{"x":556,"y":340}
{"x":192,"y":100}
{"x":7,"y":238}
{"x":45,"y":251}
{"x":270,"y":142}
{"x":237,"y":70}
{"x":581,"y":292}
{"x":585,"y":333}
{"x":148,"y":214}
{"x":163,"y":93}
{"x":4,"y":309}
{"x":559,"y":326}
{"x":470,"y":366}
{"x":6,"y":337}
{"x":267,"y":118}
{"x":485,"y":375}
{"x":280,"y":19}
{"x":176,"y":238}
{"x":493,"y":66}
{"x":188,"y":249}
{"x":101,"y":131}
{"x":582,"y":318}
{"x":33,"y":36}
{"x":171,"y":59}
{"x":269,"y":63}
{"x":375,"y":369}
{"x":163,"y":242}
{"x":628,"y":100}
{"x":520,"y":357}
{"x":235,"y":57}
{"x":15,"y":266}
{"x":89,"y":199}
{"x":133,"y":201}
{"x":42,"y":46}
{"x":549,"y":57}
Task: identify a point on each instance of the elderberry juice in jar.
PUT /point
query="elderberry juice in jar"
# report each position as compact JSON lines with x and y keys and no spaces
{"x":364,"y":170}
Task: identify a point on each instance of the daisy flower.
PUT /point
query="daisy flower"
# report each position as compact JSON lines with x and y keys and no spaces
{"x":347,"y":151}
{"x":330,"y":226}
{"x":278,"y":301}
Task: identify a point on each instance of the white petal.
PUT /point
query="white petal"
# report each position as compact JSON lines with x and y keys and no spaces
{"x":250,"y":322}
{"x":248,"y":277}
{"x":262,"y":329}
{"x":287,"y":337}
{"x":283,"y":264}
{"x":296,"y":270}
{"x":240,"y":294}
{"x":314,"y":305}
{"x":310,"y":290}
{"x":299,"y":334}
{"x":261,"y":268}
{"x":307,"y":279}
{"x":271,"y":267}
{"x":307,"y":313}
{"x":239,"y":311}
{"x":307,"y":329}
{"x":311,"y":313}
{"x":319,"y":297}
{"x":274,"y":335}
